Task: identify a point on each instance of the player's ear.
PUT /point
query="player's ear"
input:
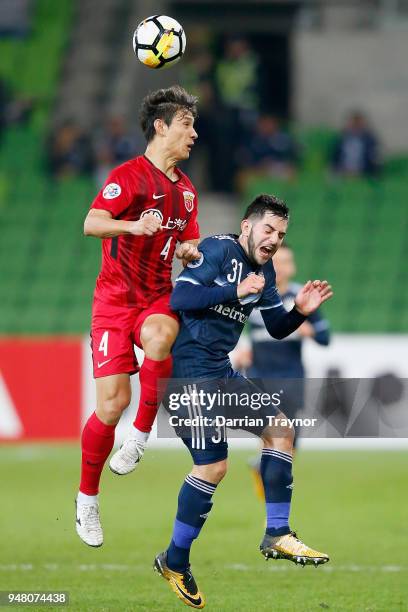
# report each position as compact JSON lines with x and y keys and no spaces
{"x":245,"y":227}
{"x":160,"y":126}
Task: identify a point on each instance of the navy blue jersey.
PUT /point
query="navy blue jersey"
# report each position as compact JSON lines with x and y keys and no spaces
{"x":282,"y":359}
{"x":207,"y":336}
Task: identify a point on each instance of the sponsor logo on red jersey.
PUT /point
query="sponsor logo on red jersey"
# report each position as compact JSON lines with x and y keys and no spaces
{"x":152,"y":211}
{"x":171,"y":224}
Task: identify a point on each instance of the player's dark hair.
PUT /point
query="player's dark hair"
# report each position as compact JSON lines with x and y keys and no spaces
{"x":164,"y":104}
{"x":266,"y":203}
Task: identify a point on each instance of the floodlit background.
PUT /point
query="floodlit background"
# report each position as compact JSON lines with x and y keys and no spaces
{"x":307,"y":100}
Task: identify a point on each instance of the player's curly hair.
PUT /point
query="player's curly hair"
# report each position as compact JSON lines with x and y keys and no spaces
{"x":266,"y":203}
{"x":164,"y":104}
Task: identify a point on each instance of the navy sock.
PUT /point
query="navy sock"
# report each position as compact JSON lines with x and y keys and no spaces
{"x":276,"y":472}
{"x":194,"y":504}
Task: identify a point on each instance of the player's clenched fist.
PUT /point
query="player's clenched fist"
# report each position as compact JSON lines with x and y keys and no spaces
{"x":146,"y":226}
{"x":253,"y":283}
{"x":187,"y":252}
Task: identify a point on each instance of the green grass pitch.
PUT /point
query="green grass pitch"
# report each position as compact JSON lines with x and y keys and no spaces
{"x":354,"y":505}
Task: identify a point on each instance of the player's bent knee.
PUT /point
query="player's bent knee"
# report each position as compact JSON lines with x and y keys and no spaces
{"x":110,"y":411}
{"x":157,"y":337}
{"x":159,"y":345}
{"x":163,"y":339}
{"x":212,"y":472}
{"x":112,"y":401}
{"x":279,"y":436}
{"x":219,"y":470}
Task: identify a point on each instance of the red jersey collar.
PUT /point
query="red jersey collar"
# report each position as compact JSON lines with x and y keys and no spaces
{"x":163,"y":173}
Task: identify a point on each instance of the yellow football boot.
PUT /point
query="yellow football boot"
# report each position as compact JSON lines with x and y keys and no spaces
{"x":183,"y":585}
{"x":289,"y":547}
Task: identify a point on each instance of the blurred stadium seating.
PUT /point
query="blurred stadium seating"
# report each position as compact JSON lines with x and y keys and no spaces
{"x":352,"y":232}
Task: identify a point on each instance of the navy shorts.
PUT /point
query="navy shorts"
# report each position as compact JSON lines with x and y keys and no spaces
{"x":200,"y":412}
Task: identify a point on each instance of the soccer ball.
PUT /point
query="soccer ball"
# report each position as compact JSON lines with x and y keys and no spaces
{"x":159,"y":41}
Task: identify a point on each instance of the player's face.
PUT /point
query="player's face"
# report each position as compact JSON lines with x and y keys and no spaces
{"x":181,"y":135}
{"x":284,"y":264}
{"x":265,"y":237}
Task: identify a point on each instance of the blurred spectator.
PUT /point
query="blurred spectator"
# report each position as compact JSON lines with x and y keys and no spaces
{"x":212,"y":166}
{"x":356,"y":151}
{"x":114,"y":146}
{"x":237,"y":78}
{"x":69,"y":151}
{"x":270,"y":151}
{"x":228,"y":92}
{"x":12,"y":109}
{"x":217,"y":129}
{"x":236,"y":85}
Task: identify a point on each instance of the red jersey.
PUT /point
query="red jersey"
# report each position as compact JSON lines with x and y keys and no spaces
{"x":136,"y":270}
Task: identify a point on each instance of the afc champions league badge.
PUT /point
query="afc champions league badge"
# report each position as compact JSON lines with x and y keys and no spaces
{"x":188,"y":200}
{"x":111,"y":191}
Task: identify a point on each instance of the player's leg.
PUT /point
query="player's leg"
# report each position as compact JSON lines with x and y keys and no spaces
{"x":113,"y":395}
{"x":194,"y":506}
{"x":276,"y":471}
{"x":155,"y":334}
{"x":294,"y":400}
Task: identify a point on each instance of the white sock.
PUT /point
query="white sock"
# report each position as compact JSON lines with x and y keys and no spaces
{"x":83,"y":499}
{"x":140,"y":436}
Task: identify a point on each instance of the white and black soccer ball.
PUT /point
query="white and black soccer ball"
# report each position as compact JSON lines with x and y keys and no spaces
{"x":159,"y":41}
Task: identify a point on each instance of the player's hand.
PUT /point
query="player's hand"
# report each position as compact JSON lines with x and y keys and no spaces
{"x":187,"y":252}
{"x":253,"y":283}
{"x":312,"y":295}
{"x":147,"y":226}
{"x":243,"y":358}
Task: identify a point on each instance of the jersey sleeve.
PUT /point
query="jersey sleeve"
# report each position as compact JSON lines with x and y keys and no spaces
{"x":192,"y":231}
{"x":321,"y":327}
{"x":116,"y":194}
{"x":205,"y":270}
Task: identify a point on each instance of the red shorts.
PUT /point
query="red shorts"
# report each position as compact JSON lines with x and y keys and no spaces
{"x":114,"y":331}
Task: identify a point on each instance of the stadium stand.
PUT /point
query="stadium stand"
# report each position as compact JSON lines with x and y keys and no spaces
{"x":352,"y":232}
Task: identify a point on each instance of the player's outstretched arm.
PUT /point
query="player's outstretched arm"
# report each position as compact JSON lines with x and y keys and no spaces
{"x":100,"y":224}
{"x":281,"y":323}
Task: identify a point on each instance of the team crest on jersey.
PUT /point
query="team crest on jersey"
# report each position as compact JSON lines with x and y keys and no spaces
{"x":111,"y":191}
{"x":188,"y":200}
{"x":153,"y":211}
